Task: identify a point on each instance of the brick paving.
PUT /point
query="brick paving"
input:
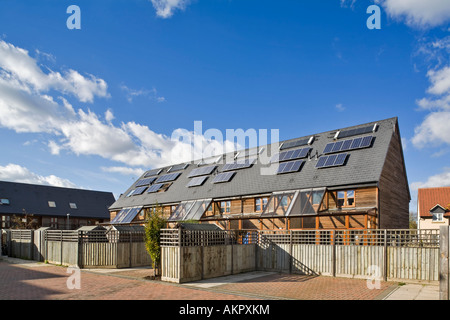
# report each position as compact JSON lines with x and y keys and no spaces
{"x":47,"y":282}
{"x":303,"y":287}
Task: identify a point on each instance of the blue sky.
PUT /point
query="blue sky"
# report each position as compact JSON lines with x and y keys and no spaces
{"x":95,"y":107}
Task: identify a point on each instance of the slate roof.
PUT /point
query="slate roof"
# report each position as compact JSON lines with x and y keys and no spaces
{"x":428,"y":198}
{"x":34,"y":199}
{"x":363,"y":166}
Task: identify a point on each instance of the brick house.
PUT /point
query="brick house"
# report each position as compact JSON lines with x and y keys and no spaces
{"x":433,"y":207}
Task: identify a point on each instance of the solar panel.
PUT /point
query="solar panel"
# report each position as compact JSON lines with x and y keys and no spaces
{"x":330,"y":160}
{"x":350,"y":144}
{"x":178,"y":167}
{"x":121,"y":215}
{"x":328,"y":147}
{"x":337,"y":146}
{"x":356,"y":143}
{"x":201,"y":171}
{"x":145,"y":182}
{"x":241,"y":164}
{"x":197,"y":181}
{"x":137,"y":191}
{"x":346,"y":145}
{"x":153,"y":172}
{"x":224,"y":177}
{"x":321,"y":161}
{"x":168,"y":177}
{"x":290,"y":166}
{"x":340,"y":159}
{"x":155,"y":188}
{"x":356,"y":131}
{"x":291,"y":155}
{"x":333,"y":160}
{"x":132,"y":213}
{"x":366,"y":142}
{"x":249,"y":152}
{"x":293,"y":144}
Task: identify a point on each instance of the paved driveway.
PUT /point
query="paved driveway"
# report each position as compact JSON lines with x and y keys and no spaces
{"x":38,"y":281}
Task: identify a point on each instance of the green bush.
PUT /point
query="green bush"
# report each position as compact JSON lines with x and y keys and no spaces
{"x":153,"y":225}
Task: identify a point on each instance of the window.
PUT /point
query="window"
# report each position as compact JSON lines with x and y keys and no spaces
{"x":52,"y":204}
{"x":73,"y":205}
{"x":260,"y":204}
{"x":438,"y":217}
{"x":346,"y":198}
{"x":316,"y":197}
{"x":284,"y":201}
{"x":6,"y":222}
{"x":225,"y":206}
{"x":4,"y":201}
{"x":54,"y":223}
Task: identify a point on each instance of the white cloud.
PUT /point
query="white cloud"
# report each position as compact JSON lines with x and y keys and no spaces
{"x":18,"y":66}
{"x":438,"y":180}
{"x":27,"y":105}
{"x":124,"y":171}
{"x":340,"y":107}
{"x":109,"y":116}
{"x":418,"y":13}
{"x":440,"y":81}
{"x":348,"y":3}
{"x":166,"y":8}
{"x":132,"y":93}
{"x":17,"y":173}
{"x":433,"y":131}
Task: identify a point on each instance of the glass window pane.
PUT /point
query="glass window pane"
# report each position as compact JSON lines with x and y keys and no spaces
{"x":317,"y":197}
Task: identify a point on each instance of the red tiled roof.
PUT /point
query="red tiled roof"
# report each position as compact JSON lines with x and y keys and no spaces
{"x":430,"y":197}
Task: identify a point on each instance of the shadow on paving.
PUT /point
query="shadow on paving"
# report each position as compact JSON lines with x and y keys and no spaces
{"x":19,"y":283}
{"x":299,"y":287}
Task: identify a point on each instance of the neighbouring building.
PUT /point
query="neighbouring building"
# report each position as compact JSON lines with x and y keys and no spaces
{"x":37,"y":206}
{"x":433,"y":207}
{"x":348,"y":178}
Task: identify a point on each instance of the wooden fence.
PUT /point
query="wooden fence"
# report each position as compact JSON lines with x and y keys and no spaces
{"x":85,"y":249}
{"x":387,"y":254}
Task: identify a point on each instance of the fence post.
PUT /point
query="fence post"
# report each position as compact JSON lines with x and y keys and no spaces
{"x":385,"y":255}
{"x":61,"y":245}
{"x":20,"y":243}
{"x":232,"y":251}
{"x":130,"y":234}
{"x":32,"y":244}
{"x":180,"y":254}
{"x":46,"y":245}
{"x":80,"y":249}
{"x":443,"y":263}
{"x":291,"y":260}
{"x":333,"y":253}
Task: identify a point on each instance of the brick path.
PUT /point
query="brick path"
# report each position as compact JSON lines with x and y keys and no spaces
{"x":47,"y":282}
{"x":302,"y":287}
